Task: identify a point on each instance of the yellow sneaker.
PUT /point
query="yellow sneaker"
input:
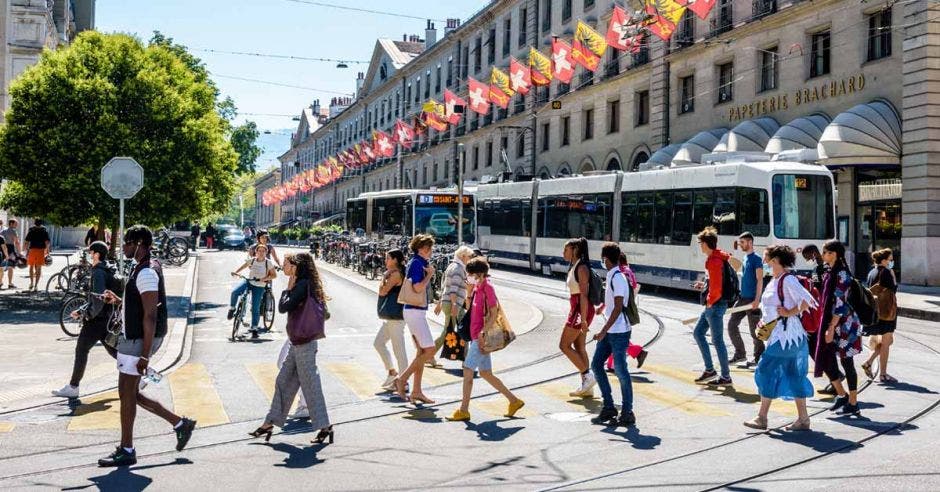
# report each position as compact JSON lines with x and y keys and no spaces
{"x":459,"y":416}
{"x":514,"y":407}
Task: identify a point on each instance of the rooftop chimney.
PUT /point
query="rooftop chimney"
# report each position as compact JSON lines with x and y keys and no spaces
{"x":404,"y":37}
{"x":430,"y":35}
{"x":452,"y":25}
{"x":360,"y":81}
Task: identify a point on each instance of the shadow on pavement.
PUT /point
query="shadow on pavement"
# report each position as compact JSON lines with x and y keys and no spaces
{"x":78,"y":408}
{"x":427,"y":415}
{"x":913,"y":388}
{"x":491,"y":431}
{"x":297,"y":457}
{"x":124,"y":478}
{"x":818,"y":441}
{"x":634,"y":437}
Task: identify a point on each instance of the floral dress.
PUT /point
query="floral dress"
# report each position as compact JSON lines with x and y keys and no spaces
{"x":848,"y":336}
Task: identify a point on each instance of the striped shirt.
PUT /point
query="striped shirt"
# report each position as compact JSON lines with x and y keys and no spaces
{"x":455,"y":282}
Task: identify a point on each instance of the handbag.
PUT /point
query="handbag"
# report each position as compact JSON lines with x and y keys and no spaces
{"x":411,"y":297}
{"x":764,"y":330}
{"x":307,"y":323}
{"x":497,"y":333}
{"x":463,"y":327}
{"x":886,"y":301}
{"x":388,"y":305}
{"x":454,"y":347}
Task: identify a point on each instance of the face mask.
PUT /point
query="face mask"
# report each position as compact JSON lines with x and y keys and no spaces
{"x":891,"y":264}
{"x":767,"y":268}
{"x":472,"y":281}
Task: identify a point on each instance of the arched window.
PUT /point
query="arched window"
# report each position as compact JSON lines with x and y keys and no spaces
{"x":383,"y":72}
{"x":640,"y":158}
{"x":613,"y":164}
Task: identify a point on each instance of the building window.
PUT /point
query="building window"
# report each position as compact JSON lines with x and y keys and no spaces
{"x":507,"y":36}
{"x":435,"y":172}
{"x":446,"y":169}
{"x":546,"y":15}
{"x":541,"y":95}
{"x":523,"y":27}
{"x":685,"y":34}
{"x":562,"y":89}
{"x":491,"y":46}
{"x":546,"y":128}
{"x":613,"y":116}
{"x":725,"y":20}
{"x":519,"y":104}
{"x":565,"y":131}
{"x":478,"y":55}
{"x":417,"y":89}
{"x":725,"y":82}
{"x":489,"y":154}
{"x":768,"y":69}
{"x":588,"y":4}
{"x":687,"y":94}
{"x":763,"y":8}
{"x":520,"y":146}
{"x":437,"y":80}
{"x":464,"y":63}
{"x":819,"y":54}
{"x":503,"y":146}
{"x":612,"y":68}
{"x":424,"y":175}
{"x":587,"y":122}
{"x":565,"y":10}
{"x":642,"y":56}
{"x":586,"y":78}
{"x":476,"y":158}
{"x":879,"y":34}
{"x":427,"y":85}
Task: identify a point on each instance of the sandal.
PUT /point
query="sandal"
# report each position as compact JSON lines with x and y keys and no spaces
{"x":887,"y":378}
{"x":867,"y":369}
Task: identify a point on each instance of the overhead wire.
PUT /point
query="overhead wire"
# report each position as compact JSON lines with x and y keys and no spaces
{"x":363,"y":10}
{"x":283,"y":57}
{"x":279,"y":84}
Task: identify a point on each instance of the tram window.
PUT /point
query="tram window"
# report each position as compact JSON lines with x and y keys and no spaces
{"x":802,"y":206}
{"x":645,"y":204}
{"x":356,"y":215}
{"x":682,"y":218}
{"x":576,"y":216}
{"x":702,"y":212}
{"x":628,"y":230}
{"x":724,"y":213}
{"x":507,"y":217}
{"x":752,"y":211}
{"x":388,"y":215}
{"x":663,"y":214}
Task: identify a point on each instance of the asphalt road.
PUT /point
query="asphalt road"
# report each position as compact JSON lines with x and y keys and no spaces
{"x":686,"y":438}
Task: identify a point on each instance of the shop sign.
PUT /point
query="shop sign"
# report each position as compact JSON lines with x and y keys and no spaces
{"x":803,"y":95}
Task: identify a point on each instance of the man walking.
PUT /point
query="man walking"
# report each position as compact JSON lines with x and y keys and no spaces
{"x":12,"y":238}
{"x":716,"y":294}
{"x":36,"y":244}
{"x":145,"y":325}
{"x":194,"y":236}
{"x":613,"y":339}
{"x":752,"y":285}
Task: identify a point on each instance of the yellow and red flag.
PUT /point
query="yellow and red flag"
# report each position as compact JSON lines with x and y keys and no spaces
{"x":541,"y":67}
{"x":500,"y":92}
{"x":588,"y":46}
{"x":701,"y":8}
{"x":665,"y":15}
{"x":433,"y":114}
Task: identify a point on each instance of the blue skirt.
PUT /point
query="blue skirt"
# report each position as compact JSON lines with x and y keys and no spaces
{"x":781,"y":373}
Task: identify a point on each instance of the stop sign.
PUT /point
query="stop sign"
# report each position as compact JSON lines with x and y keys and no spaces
{"x":122,"y":178}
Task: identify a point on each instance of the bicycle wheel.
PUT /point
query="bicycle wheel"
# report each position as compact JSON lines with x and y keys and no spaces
{"x":57,"y":284}
{"x":267,"y":309}
{"x":239,"y":315}
{"x":177,"y":255}
{"x":71,"y":326}
{"x":178,"y":242}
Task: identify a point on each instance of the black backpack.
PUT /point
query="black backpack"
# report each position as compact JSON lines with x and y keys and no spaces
{"x":595,"y":285}
{"x":863,"y":302}
{"x":730,"y":284}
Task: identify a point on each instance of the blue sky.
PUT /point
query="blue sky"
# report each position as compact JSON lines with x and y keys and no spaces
{"x":282,"y":27}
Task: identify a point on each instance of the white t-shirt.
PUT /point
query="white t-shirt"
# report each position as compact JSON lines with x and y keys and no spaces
{"x":147,"y":281}
{"x":258,"y":269}
{"x":788,"y":330}
{"x":617,"y":287}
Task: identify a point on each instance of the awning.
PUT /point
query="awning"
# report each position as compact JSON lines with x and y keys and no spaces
{"x":749,"y":136}
{"x":866,"y":134}
{"x":691,"y":151}
{"x":801,"y":133}
{"x":662,"y":157}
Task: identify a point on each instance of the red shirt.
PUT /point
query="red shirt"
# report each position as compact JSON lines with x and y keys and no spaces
{"x":482,"y":291}
{"x":714,"y":265}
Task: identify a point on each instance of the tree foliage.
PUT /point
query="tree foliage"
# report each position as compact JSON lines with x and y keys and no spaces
{"x":110,"y":95}
{"x":243,"y":141}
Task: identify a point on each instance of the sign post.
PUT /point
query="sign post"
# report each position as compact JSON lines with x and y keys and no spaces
{"x":121,"y":179}
{"x":460,"y":151}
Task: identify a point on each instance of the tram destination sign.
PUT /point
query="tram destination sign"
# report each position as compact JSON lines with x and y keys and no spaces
{"x":441,"y":200}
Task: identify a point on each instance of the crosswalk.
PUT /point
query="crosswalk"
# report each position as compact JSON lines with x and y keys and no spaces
{"x":191,"y":391}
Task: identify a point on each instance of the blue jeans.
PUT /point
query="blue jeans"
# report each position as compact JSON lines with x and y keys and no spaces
{"x":712,"y":318}
{"x":257,"y":294}
{"x":613,"y":344}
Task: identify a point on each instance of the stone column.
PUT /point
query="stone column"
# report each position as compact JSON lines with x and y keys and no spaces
{"x":920,"y":164}
{"x":660,"y":92}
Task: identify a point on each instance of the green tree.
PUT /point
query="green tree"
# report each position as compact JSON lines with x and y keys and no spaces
{"x":110,"y":95}
{"x":243,"y":141}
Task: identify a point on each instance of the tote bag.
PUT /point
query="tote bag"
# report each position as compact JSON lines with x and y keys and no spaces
{"x":497,"y":333}
{"x":411,"y":297}
{"x":306,"y":323}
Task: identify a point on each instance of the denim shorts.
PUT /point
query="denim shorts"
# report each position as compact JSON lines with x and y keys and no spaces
{"x":477,"y":360}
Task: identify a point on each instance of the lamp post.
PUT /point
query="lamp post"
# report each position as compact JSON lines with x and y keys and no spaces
{"x":460,"y":151}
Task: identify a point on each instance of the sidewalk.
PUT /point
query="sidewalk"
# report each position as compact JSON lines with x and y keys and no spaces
{"x":919,"y":302}
{"x":36,"y":357}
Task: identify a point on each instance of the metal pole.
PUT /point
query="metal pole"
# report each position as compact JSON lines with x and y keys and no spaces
{"x":460,"y":148}
{"x":401,"y":181}
{"x":241,"y":210}
{"x":120,"y":237}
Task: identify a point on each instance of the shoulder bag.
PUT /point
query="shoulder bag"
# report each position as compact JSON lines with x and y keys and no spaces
{"x":306,"y":323}
{"x":411,"y":297}
{"x":388,"y":305}
{"x":497,"y":333}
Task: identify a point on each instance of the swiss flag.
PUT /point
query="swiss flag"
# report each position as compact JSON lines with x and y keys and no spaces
{"x":562,"y":63}
{"x":382,"y":144}
{"x":520,"y":77}
{"x":701,"y":8}
{"x":478,"y":95}
{"x":621,"y":34}
{"x":404,"y":134}
{"x":451,"y":101}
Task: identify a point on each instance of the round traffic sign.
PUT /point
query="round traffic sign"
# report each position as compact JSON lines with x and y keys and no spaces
{"x":122,"y":177}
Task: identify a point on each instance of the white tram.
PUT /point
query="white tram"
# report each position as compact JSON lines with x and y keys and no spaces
{"x":411,"y":212}
{"x":656,"y":214}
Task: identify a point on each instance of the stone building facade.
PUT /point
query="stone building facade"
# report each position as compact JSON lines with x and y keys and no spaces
{"x":267,"y":215}
{"x":855,"y":84}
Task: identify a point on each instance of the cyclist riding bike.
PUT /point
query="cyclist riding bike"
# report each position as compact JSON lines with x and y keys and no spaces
{"x":264,"y":239}
{"x":261,"y":270}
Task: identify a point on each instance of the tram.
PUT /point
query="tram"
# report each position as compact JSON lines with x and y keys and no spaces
{"x":411,"y":212}
{"x":656,"y":214}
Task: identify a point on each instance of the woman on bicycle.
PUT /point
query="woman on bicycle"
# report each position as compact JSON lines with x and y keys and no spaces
{"x":392,"y":330}
{"x":265,"y":239}
{"x":260,"y":272}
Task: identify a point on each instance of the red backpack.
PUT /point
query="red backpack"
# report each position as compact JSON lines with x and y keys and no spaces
{"x":812,"y":316}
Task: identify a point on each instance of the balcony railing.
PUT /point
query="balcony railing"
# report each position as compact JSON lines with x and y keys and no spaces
{"x":763,"y":8}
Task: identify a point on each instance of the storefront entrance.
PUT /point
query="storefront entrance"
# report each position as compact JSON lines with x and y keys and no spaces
{"x":878,"y":221}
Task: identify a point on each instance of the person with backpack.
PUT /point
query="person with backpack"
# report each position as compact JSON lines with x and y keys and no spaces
{"x":814,"y":258}
{"x":96,"y":318}
{"x":633,"y":350}
{"x":882,"y":282}
{"x":840,"y":330}
{"x":781,"y":370}
{"x":612,"y":340}
{"x":718,"y":291}
{"x":752,"y":285}
{"x":580,"y":314}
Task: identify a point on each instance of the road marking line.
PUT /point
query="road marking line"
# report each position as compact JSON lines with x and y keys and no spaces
{"x":97,"y":412}
{"x":360,"y":381}
{"x":659,"y":395}
{"x":194,"y":395}
{"x":265,"y":375}
{"x":438,"y":377}
{"x":498,"y":406}
{"x":6,"y":426}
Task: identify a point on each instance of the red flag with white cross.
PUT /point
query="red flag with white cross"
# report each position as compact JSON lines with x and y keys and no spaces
{"x":451,"y":101}
{"x":478,"y":94}
{"x":562,"y":63}
{"x":520,"y":76}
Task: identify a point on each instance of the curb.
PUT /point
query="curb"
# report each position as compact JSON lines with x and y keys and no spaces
{"x":922,"y":314}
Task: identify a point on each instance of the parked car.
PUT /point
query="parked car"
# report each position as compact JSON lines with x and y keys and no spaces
{"x":231,"y":237}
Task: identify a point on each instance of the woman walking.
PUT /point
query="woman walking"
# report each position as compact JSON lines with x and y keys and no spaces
{"x":418,"y":274}
{"x":454,"y":293}
{"x":781,"y":369}
{"x":580,"y":314}
{"x":484,"y":299}
{"x":393,"y":326}
{"x":300,"y":367}
{"x":883,"y":284}
{"x":840,"y":333}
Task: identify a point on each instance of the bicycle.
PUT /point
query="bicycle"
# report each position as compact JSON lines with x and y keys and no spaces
{"x":242,"y":306}
{"x":72,"y":325}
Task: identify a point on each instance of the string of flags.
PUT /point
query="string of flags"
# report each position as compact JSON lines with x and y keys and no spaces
{"x":625,"y":32}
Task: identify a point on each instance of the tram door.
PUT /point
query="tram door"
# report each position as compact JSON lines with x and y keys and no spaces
{"x":879,"y":226}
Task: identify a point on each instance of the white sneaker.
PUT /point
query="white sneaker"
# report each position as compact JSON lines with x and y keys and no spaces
{"x":301,"y":413}
{"x":589,"y":383}
{"x":67,"y":391}
{"x":580,"y":389}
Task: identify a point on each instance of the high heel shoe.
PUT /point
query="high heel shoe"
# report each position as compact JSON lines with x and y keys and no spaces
{"x":325,"y":433}
{"x":263,"y":431}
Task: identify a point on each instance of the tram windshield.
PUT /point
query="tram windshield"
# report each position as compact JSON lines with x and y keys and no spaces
{"x":802,"y":206}
{"x":437,"y":215}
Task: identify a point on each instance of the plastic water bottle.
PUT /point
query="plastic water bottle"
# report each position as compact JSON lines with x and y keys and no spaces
{"x":153,"y":376}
